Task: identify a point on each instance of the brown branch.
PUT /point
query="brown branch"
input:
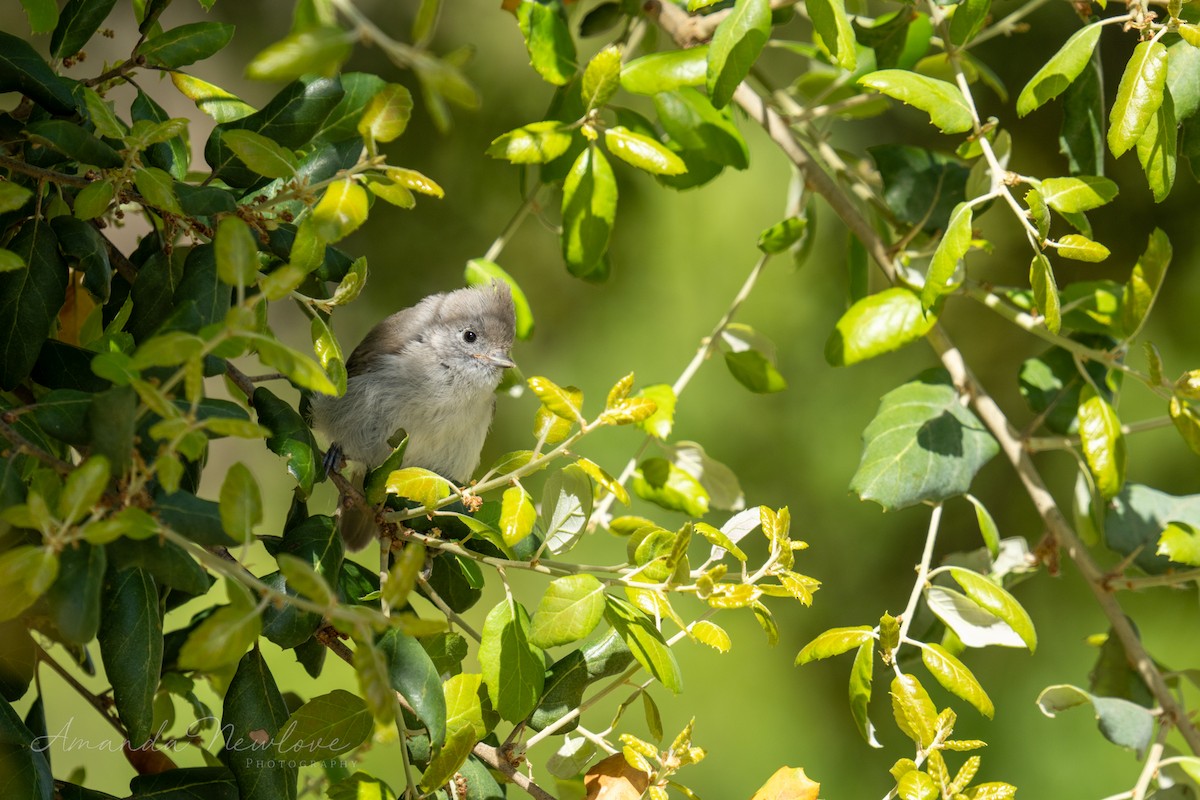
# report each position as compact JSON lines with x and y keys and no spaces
{"x":17,"y":165}
{"x":22,"y":444}
{"x":117,"y":71}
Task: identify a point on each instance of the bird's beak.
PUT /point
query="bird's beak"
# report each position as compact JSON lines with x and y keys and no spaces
{"x":499,"y":359}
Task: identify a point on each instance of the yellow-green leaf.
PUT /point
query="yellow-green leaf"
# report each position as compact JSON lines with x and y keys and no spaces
{"x":517,"y":515}
{"x":387,"y":115}
{"x":956,"y":678}
{"x":1139,"y":96}
{"x":955,"y":243}
{"x":942,"y":101}
{"x":642,"y":152}
{"x":1060,"y":71}
{"x":341,"y":210}
{"x":1045,"y":292}
{"x":834,"y":642}
{"x":1081,"y":248}
{"x":419,"y":485}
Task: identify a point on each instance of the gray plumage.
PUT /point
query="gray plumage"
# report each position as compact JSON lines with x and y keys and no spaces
{"x":432,"y":370}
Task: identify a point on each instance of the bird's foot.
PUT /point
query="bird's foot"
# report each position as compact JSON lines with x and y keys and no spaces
{"x":334,"y":459}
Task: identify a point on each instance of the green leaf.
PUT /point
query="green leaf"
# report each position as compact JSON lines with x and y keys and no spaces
{"x":419,"y":485}
{"x":659,"y":423}
{"x":535,"y":143}
{"x":923,"y":445}
{"x":566,"y":507}
{"x":29,"y":300}
{"x":914,"y":712}
{"x":589,"y":209}
{"x":1081,"y":193}
{"x":77,"y":23}
{"x":211,"y":783}
{"x":955,"y":243}
{"x":969,"y":18}
{"x":186,"y":44}
{"x":320,"y":50}
{"x":1103,"y":443}
{"x":877,"y":324}
{"x":782,"y":235}
{"x":448,"y":760}
{"x":1045,"y":292}
{"x":1121,"y":722}
{"x":1081,"y":137}
{"x":1157,"y":149}
{"x":955,"y":678}
{"x":299,"y":369}
{"x":254,"y":714}
{"x":601,"y":77}
{"x":341,"y":210}
{"x":386,"y":115}
{"x":1180,"y":542}
{"x":412,"y":673}
{"x":736,"y":45}
{"x":74,"y":142}
{"x":290,"y":438}
{"x":212,"y":100}
{"x":263,"y":155}
{"x":241,"y":503}
{"x":75,"y":597}
{"x":93,"y":199}
{"x":481,"y":272}
{"x":27,"y":571}
{"x":513,"y":669}
{"x":701,"y":130}
{"x":997,"y":601}
{"x":942,"y":101}
{"x":832,"y":26}
{"x":326,"y":726}
{"x":834,"y":642}
{"x":23,"y":70}
{"x":468,"y":706}
{"x":644,"y":641}
{"x":755,"y":371}
{"x":131,"y":647}
{"x":42,"y":14}
{"x":83,"y":490}
{"x":13,"y":196}
{"x":1139,"y":96}
{"x":548,"y":40}
{"x":158,"y":189}
{"x":517,"y":515}
{"x":860,"y":691}
{"x":642,"y":152}
{"x":236,"y":252}
{"x":711,"y":634}
{"x":1136,"y":518}
{"x":1062,"y":68}
{"x":666,"y":485}
{"x":10,"y":261}
{"x":85,"y":248}
{"x":570,"y":609}
{"x":665,"y":71}
{"x":1081,"y":248}
{"x":221,"y":639}
{"x":1145,"y":282}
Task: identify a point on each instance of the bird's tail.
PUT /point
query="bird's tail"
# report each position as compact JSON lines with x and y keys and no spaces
{"x":357,"y":522}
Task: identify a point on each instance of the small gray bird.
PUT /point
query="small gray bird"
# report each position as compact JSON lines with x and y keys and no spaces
{"x":432,"y":370}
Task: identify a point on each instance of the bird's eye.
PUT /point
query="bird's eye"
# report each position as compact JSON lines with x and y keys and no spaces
{"x":469,"y":336}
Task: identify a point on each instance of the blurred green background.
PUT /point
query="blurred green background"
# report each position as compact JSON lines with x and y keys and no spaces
{"x":678,"y":259}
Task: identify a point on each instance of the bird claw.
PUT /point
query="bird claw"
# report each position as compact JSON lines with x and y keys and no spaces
{"x":334,"y":459}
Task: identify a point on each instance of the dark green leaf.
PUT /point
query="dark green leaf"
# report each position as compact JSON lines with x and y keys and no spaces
{"x":1156,"y":149}
{"x":111,"y":422}
{"x":736,"y":45}
{"x":290,"y":438}
{"x":23,"y":756}
{"x":75,"y":597}
{"x":186,"y":783}
{"x":23,"y":70}
{"x":186,"y":44}
{"x":166,"y":562}
{"x":412,"y":673}
{"x":131,"y":646}
{"x":342,"y":122}
{"x":77,"y":23}
{"x":968,"y":19}
{"x":921,"y":187}
{"x":29,"y":300}
{"x":922,"y":445}
{"x":253,"y":717}
{"x":1121,"y":722}
{"x":196,"y":518}
{"x":327,"y":726}
{"x":1081,"y":138}
{"x":87,"y":252}
{"x":74,"y":142}
{"x":1145,"y":281}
